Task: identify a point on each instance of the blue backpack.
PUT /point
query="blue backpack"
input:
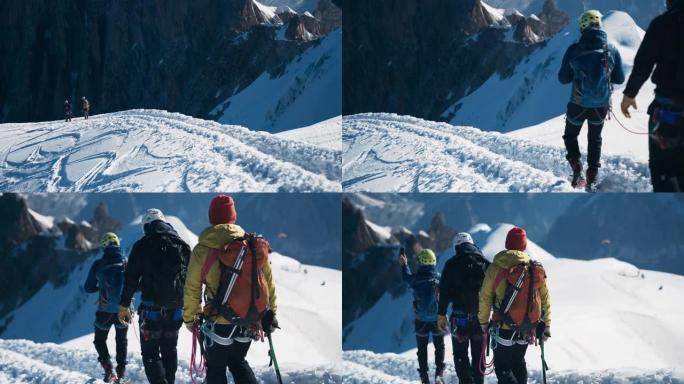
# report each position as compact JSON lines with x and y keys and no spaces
{"x":110,"y":280}
{"x":426,"y":298}
{"x":592,"y":71}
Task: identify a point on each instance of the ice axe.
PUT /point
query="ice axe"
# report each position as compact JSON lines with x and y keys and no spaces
{"x":543,"y":359}
{"x":274,"y":361}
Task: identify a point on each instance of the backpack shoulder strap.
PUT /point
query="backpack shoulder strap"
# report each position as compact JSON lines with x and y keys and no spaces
{"x":212,"y":256}
{"x":501,"y":276}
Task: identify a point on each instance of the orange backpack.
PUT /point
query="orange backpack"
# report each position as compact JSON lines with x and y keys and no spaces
{"x":520,"y":308}
{"x":243,"y":296}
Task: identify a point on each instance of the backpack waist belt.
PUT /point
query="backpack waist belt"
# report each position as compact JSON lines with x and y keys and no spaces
{"x":153,"y":314}
{"x":496,"y":339}
{"x":212,"y":337}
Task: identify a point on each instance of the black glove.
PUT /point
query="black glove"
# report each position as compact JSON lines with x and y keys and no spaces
{"x":543,"y":332}
{"x":269,"y":323}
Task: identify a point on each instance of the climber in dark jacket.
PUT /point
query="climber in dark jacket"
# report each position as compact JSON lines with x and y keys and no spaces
{"x":157,"y":266}
{"x":106,"y":277}
{"x":663,"y":49}
{"x":459,"y":287}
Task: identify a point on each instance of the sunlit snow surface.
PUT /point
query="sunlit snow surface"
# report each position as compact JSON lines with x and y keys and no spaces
{"x":158,"y":151}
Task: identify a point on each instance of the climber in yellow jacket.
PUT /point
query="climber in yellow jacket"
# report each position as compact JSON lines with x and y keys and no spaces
{"x":234,"y":340}
{"x":509,"y":354}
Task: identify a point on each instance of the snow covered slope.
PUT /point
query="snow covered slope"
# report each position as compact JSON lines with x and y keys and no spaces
{"x":308,"y":90}
{"x":309,"y":301}
{"x":611,"y":323}
{"x":391,"y":153}
{"x":326,"y":134}
{"x":150,"y":150}
{"x":533,"y":97}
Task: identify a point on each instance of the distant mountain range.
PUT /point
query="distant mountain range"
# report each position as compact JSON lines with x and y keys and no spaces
{"x":187,"y":57}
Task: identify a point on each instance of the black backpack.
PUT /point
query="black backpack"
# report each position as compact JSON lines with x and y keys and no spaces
{"x":474,"y":268}
{"x":168,"y":263}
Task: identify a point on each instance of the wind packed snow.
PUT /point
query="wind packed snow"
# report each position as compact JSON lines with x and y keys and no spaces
{"x":391,"y":153}
{"x":611,"y":323}
{"x":326,"y":134}
{"x":158,"y":151}
{"x":308,"y":91}
{"x":308,"y":346}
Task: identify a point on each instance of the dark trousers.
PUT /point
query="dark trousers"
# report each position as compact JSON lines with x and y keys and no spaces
{"x":666,"y":158}
{"x":423,"y":332}
{"x":509,"y":362}
{"x":219,"y":357}
{"x":158,"y":339}
{"x":103,"y":322}
{"x":470,"y":334}
{"x":574,"y":119}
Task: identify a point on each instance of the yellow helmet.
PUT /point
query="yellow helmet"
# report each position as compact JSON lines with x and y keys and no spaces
{"x":427,"y":257}
{"x":589,"y":18}
{"x":110,"y":239}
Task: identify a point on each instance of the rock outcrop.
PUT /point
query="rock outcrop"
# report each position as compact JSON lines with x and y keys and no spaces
{"x":420,"y":58}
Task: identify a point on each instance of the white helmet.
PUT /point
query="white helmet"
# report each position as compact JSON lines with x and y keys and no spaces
{"x":461,"y":238}
{"x":151,"y":215}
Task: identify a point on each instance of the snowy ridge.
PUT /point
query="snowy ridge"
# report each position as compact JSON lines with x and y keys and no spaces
{"x":388,"y":152}
{"x":154,"y":150}
{"x":391,"y":368}
{"x":326,"y":134}
{"x":611,"y":323}
{"x":23,"y":361}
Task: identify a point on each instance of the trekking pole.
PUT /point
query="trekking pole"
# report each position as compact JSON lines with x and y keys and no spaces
{"x":543,"y":359}
{"x":271,"y":352}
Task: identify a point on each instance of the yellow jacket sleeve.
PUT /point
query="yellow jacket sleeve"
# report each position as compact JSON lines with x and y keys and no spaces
{"x":192,"y":293}
{"x":546,"y":304}
{"x":487,"y":295}
{"x":268,"y":273}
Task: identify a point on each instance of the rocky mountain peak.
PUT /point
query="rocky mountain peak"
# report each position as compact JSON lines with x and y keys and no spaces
{"x":17,"y":224}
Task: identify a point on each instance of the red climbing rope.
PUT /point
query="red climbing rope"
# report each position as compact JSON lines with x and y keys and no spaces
{"x":484,"y":367}
{"x":625,"y":128}
{"x":197,"y":369}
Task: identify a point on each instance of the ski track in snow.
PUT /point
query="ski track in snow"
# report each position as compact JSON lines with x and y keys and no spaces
{"x":400,"y":369}
{"x":392,"y":153}
{"x":23,"y":361}
{"x":150,"y":150}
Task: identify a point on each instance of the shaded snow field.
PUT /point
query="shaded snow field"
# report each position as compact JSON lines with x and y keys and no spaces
{"x":387,"y":152}
{"x":158,"y":151}
{"x":611,"y":323}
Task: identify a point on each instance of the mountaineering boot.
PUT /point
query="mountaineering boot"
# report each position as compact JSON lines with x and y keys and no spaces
{"x":109,"y":375}
{"x":424,"y":378}
{"x":592,"y":179}
{"x":439,"y":377}
{"x":578,"y":180}
{"x":120,"y":374}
